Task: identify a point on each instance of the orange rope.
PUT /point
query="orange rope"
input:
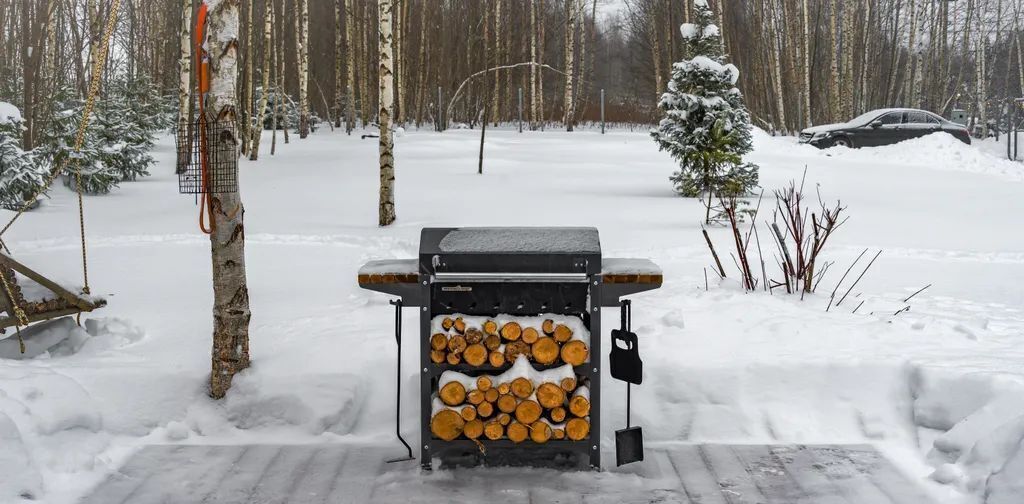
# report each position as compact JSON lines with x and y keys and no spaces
{"x":207,"y":200}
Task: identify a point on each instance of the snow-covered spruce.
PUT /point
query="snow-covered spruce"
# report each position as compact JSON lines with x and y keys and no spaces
{"x":706,"y":127}
{"x":20,"y":176}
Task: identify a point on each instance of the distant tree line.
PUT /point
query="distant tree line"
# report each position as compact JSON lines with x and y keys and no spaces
{"x":802,"y":62}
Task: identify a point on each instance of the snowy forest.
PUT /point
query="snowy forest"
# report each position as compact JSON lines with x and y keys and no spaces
{"x":528,"y":251}
{"x":814,"y":61}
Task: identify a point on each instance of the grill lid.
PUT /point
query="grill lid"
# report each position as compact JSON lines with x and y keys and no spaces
{"x":543,"y":250}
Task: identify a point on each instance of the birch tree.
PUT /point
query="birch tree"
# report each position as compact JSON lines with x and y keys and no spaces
{"x":339,"y":54}
{"x":303,"y":43}
{"x":533,"y":68}
{"x":227,"y":241}
{"x":184,"y":73}
{"x":350,"y":110}
{"x":257,"y":130}
{"x":570,"y":56}
{"x":386,"y":208}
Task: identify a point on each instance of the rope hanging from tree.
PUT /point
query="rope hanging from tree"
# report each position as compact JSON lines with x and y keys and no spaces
{"x":99,"y":61}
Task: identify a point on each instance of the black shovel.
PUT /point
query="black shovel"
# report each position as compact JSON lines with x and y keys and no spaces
{"x":627,"y":366}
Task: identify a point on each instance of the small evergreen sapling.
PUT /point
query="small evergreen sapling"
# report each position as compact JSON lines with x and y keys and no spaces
{"x":58,"y":148}
{"x":706,"y":127}
{"x":20,"y":176}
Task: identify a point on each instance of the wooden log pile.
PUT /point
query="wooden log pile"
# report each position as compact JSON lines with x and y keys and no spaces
{"x":478,"y":341}
{"x":521,"y":405}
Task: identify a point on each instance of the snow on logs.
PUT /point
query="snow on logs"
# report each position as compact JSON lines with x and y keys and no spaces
{"x":497,"y":341}
{"x":519,"y":404}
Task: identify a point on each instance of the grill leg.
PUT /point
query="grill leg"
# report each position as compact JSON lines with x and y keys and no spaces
{"x":594,"y":371}
{"x":398,"y":382}
{"x":426,"y":381}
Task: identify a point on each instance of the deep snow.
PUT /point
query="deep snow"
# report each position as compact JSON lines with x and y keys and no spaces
{"x":938,"y":388}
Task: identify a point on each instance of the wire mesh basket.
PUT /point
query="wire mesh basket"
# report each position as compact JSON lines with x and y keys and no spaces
{"x":207,"y":157}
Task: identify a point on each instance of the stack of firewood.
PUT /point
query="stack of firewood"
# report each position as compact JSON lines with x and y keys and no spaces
{"x":460,"y":342}
{"x":531,"y":405}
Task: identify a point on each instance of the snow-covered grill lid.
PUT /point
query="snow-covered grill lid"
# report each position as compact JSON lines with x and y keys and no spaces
{"x":510,"y":249}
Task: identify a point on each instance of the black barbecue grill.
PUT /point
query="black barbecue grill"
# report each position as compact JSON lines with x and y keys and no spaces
{"x":518,"y":272}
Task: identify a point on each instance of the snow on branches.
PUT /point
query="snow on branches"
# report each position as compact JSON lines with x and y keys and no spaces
{"x":706,"y":126}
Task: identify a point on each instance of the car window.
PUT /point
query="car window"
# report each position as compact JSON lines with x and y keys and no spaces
{"x":921,"y":118}
{"x":891,"y":118}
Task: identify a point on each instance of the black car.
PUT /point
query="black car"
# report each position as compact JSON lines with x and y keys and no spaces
{"x":882,"y":127}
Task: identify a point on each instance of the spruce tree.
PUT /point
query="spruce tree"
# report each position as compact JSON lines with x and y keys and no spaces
{"x":20,"y":176}
{"x":706,"y":127}
{"x":58,"y":148}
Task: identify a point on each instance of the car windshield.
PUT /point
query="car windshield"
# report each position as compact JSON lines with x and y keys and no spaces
{"x":863,"y":119}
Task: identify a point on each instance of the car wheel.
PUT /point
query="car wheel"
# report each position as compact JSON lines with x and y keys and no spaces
{"x":842,"y":142}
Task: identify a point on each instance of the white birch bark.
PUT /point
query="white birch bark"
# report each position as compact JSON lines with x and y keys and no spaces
{"x":227,"y":241}
{"x":339,"y":53}
{"x":184,"y":74}
{"x":350,"y":107}
{"x":533,"y":68}
{"x":570,"y":58}
{"x":257,"y":130}
{"x":303,"y":68}
{"x":386,"y":208}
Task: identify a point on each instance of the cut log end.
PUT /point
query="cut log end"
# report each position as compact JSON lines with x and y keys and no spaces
{"x":447,"y":323}
{"x":491,"y":328}
{"x":438,"y":356}
{"x":516,"y":348}
{"x":492,"y":342}
{"x":474,"y":336}
{"x":548,"y":327}
{"x":517,"y":432}
{"x":475,"y":355}
{"x":491,"y":395}
{"x":453,"y":358}
{"x":485,"y":409}
{"x":550,"y":395}
{"x":577,"y":429}
{"x":475,"y":397}
{"x":473,"y":429}
{"x":579,"y":406}
{"x":558,"y":433}
{"x":459,"y":325}
{"x":568,"y":384}
{"x":528,"y":412}
{"x":468,"y":413}
{"x":545,"y":351}
{"x":494,"y":430}
{"x":439,"y":341}
{"x":540,"y":432}
{"x":562,"y":333}
{"x":507,"y":403}
{"x":447,"y":424}
{"x":504,"y":418}
{"x":575,"y":352}
{"x":457,"y":344}
{"x":511,"y":331}
{"x":496,"y":359}
{"x":453,"y":393}
{"x":522,"y":387}
{"x":558,"y":414}
{"x":530,"y":335}
{"x":483,"y":383}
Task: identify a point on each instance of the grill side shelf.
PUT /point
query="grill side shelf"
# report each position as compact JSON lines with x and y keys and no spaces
{"x":625,"y":276}
{"x":397,"y":277}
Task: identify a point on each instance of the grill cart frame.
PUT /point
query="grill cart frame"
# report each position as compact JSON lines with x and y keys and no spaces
{"x":516,"y":271}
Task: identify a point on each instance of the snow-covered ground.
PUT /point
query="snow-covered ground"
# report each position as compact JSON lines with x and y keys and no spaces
{"x":938,"y":388}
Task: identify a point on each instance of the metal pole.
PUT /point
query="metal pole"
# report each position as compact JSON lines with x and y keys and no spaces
{"x":602,"y":111}
{"x":440,"y":119}
{"x":520,"y":110}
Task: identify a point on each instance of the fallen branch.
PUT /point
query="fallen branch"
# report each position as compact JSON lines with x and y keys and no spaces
{"x":721,"y":270}
{"x":916,"y":293}
{"x":455,"y":96}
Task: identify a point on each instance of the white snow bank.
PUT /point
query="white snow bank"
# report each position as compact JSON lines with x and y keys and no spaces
{"x":313,"y":404}
{"x":21,"y":479}
{"x":937,"y":151}
{"x":56,"y":337}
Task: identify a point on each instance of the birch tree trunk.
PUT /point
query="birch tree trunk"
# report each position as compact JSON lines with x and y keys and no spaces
{"x":533,"y":68}
{"x":386,"y":209}
{"x":304,"y":69}
{"x":257,"y":133}
{"x":339,"y":54}
{"x":776,"y":60}
{"x":833,"y":84}
{"x":496,"y":95}
{"x":227,"y":241}
{"x":184,"y":73}
{"x":911,"y":70}
{"x":806,"y":67}
{"x":350,"y":110}
{"x":540,"y":75}
{"x":247,"y":85}
{"x":847,"y":61}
